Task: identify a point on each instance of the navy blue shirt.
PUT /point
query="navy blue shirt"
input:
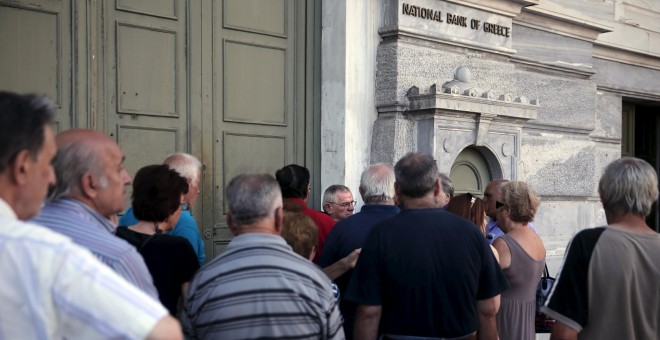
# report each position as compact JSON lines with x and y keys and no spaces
{"x":426,"y":268}
{"x":348,"y":235}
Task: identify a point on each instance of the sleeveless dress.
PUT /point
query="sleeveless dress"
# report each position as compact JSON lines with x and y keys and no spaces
{"x":515,"y":319}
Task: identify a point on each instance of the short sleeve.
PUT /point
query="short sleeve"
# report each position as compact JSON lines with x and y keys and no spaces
{"x":364,"y":287}
{"x":569,"y":300}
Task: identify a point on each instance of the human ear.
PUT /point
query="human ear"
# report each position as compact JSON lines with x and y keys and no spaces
{"x":88,"y":185}
{"x":279,"y":214}
{"x":21,"y":167}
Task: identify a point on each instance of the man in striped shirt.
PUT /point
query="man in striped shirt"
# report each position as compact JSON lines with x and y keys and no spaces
{"x":90,"y":190}
{"x":52,"y":288}
{"x":260,"y":288}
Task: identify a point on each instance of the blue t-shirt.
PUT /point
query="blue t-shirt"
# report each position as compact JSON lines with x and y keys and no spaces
{"x":186,"y":228}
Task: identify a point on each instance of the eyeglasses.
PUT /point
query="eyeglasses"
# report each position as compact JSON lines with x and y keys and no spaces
{"x":498,"y":204}
{"x":345,"y":204}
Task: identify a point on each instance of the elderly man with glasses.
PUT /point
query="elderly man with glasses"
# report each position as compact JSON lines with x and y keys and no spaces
{"x":338,"y":202}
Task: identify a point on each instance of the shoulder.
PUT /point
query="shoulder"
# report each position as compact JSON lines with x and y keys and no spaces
{"x":319,"y":217}
{"x":587,"y":238}
{"x":181,"y":242}
{"x":124,"y":232}
{"x":187,"y":226}
{"x":186,"y":219}
{"x":29,"y":232}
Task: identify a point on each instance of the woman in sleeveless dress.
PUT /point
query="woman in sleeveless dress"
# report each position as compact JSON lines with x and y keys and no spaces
{"x":522,"y":258}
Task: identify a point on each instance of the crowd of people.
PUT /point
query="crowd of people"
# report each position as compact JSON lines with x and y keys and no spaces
{"x":416,"y":262}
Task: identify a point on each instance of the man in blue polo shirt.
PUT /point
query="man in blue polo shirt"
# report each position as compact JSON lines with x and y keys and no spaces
{"x":190,"y":168}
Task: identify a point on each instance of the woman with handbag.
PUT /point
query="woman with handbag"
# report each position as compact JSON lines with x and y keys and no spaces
{"x":522,"y":258}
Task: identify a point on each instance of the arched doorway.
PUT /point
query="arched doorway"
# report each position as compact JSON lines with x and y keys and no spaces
{"x":473,"y":169}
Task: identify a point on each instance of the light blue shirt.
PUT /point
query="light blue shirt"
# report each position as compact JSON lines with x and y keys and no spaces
{"x":186,"y":228}
{"x":90,"y":230}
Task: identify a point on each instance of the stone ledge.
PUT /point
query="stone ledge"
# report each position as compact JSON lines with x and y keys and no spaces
{"x":471,"y":101}
{"x":581,"y":71}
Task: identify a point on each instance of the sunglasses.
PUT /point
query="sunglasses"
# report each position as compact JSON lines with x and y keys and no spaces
{"x":498,"y":204}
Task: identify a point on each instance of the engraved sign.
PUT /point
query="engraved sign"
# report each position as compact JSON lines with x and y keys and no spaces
{"x":453,"y":23}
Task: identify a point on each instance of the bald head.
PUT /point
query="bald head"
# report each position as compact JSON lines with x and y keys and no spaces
{"x":82,"y":136}
{"x":89,"y":167}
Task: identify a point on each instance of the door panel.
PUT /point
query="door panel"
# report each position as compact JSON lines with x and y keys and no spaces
{"x":258,"y":16}
{"x":249,"y":67}
{"x":223,"y":80}
{"x":258,"y":95}
{"x":36,"y":52}
{"x":146,"y":79}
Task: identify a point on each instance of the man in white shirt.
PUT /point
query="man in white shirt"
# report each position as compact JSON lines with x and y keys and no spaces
{"x":51,"y":288}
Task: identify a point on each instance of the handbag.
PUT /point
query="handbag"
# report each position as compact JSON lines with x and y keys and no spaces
{"x":543,"y":322}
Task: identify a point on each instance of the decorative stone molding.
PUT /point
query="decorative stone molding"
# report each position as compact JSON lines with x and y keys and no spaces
{"x":460,"y":94}
{"x":459,"y":114}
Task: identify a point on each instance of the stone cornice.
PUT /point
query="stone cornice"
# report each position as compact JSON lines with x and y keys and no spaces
{"x":510,"y":8}
{"x":580,"y":71}
{"x":555,"y":19}
{"x":629,"y":92}
{"x":626,"y":55}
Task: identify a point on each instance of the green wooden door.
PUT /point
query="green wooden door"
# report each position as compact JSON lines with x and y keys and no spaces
{"x":145,"y":79}
{"x":36,"y":52}
{"x":228,"y":81}
{"x":258,"y":91}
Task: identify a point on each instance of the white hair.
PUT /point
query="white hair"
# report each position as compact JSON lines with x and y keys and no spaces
{"x":185,"y":164}
{"x":628,"y":185}
{"x":377,"y":183}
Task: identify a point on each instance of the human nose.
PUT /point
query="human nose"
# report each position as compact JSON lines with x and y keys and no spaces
{"x":127,"y":177}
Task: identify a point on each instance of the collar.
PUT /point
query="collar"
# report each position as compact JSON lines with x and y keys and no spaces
{"x":492,"y":224}
{"x":378,"y":208}
{"x":249,"y":239}
{"x":6,"y":210}
{"x":84,"y":209}
{"x":298,"y":201}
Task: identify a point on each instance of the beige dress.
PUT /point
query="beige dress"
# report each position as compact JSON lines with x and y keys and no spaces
{"x":515,"y":319}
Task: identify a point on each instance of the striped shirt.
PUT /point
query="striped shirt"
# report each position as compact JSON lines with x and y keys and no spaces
{"x":51,"y":288}
{"x":260,"y":288}
{"x":89,"y":229}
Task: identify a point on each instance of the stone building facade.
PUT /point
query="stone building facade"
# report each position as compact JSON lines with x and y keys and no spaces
{"x":545,"y":91}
